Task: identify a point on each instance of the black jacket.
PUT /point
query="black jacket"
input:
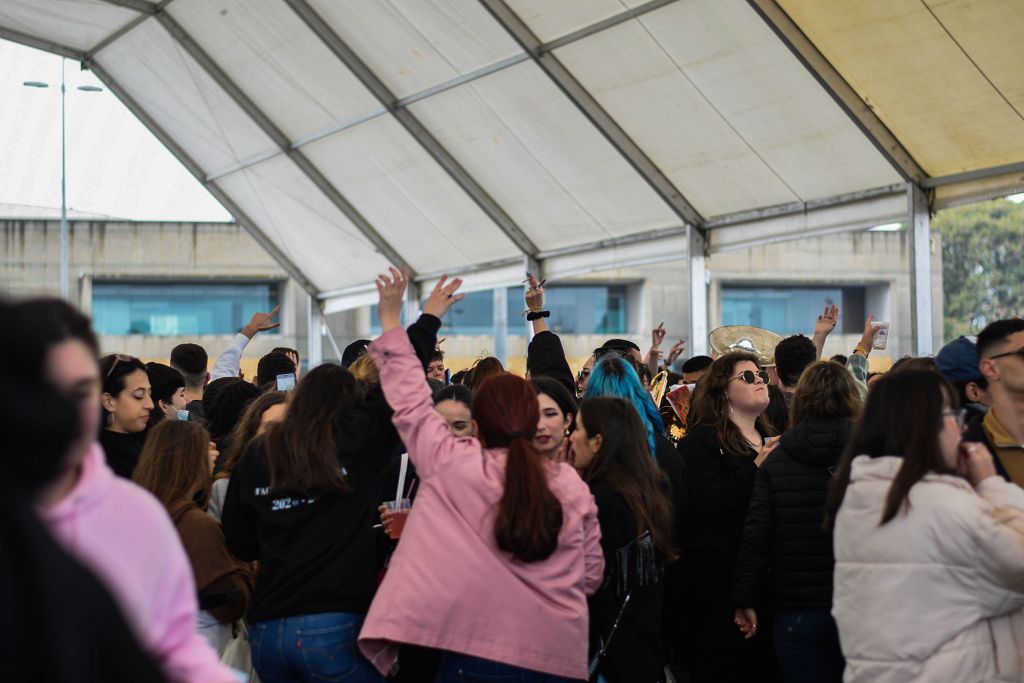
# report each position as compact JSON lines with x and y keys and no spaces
{"x":545,"y":357}
{"x":635,"y":654}
{"x":785,"y":556}
{"x":319,"y":553}
{"x":122,"y":451}
{"x":719,"y":485}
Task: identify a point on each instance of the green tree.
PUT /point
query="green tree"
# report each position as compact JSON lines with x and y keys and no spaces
{"x":982,"y":264}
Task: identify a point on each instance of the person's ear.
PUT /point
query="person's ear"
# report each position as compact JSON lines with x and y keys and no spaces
{"x":972,"y":392}
{"x":596,"y":442}
{"x":207,"y":379}
{"x":989,"y":370}
{"x":476,"y":428}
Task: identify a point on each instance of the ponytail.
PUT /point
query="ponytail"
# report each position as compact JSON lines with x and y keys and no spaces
{"x":529,"y":515}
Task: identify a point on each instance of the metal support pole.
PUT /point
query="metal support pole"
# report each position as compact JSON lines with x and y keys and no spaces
{"x":698,"y":345}
{"x":314,"y":333}
{"x":411,"y":310}
{"x":501,"y":324}
{"x":63,"y":194}
{"x":920,"y":271}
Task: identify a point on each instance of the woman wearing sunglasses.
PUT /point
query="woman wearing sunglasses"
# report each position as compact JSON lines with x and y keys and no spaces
{"x":127,"y":403}
{"x":728,"y":440}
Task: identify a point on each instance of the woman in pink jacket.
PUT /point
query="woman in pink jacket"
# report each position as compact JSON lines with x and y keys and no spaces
{"x":115,"y":528}
{"x":502,"y":548}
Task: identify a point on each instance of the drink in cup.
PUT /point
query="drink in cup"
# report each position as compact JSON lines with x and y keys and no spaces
{"x":399,"y":511}
{"x":882,"y":336}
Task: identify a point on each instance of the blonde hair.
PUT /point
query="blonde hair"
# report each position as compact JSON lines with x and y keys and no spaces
{"x":365,"y":371}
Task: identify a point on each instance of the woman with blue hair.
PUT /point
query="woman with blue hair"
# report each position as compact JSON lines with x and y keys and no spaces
{"x":614,"y":375}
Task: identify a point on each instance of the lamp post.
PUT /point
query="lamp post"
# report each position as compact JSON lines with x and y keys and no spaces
{"x":63,"y":175}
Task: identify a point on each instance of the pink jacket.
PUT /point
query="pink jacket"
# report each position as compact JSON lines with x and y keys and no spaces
{"x":123,"y":534}
{"x":449,"y":586}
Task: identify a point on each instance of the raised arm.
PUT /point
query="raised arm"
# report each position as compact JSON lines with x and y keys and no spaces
{"x":826,"y":323}
{"x":402,"y":377}
{"x":857,"y":362}
{"x":545,"y":356}
{"x":229,"y":362}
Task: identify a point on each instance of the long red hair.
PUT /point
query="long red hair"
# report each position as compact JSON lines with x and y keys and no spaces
{"x":529,"y":517}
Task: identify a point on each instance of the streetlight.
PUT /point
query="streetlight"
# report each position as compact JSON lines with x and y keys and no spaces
{"x":63,"y":175}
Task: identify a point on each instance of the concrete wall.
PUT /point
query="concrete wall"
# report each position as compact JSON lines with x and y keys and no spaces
{"x":30,"y":266}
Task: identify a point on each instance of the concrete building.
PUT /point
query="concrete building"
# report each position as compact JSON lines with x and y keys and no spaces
{"x":212,"y":275}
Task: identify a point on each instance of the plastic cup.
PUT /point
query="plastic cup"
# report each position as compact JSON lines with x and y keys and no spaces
{"x":881,"y":337}
{"x":400,"y":512}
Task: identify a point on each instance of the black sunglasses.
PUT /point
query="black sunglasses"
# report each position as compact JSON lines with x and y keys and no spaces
{"x":749,"y":376}
{"x":1018,"y":352}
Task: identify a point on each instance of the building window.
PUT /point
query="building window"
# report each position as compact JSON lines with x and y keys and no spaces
{"x":179,"y":308}
{"x":791,"y":309}
{"x":575,"y":309}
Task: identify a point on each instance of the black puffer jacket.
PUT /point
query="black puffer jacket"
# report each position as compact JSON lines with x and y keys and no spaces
{"x":784,"y":543}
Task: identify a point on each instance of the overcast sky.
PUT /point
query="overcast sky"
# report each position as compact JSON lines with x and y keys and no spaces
{"x":115,"y":166}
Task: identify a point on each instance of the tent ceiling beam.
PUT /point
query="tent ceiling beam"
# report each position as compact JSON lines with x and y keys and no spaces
{"x":593,"y":111}
{"x":829,"y":78}
{"x":792,"y":208}
{"x":977,"y":174}
{"x":412,"y":125}
{"x":280,"y":139}
{"x":250,"y":225}
{"x":41,"y":44}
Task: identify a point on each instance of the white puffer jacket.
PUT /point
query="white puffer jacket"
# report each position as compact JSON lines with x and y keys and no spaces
{"x":936,"y":593}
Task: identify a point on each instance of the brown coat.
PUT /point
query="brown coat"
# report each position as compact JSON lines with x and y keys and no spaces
{"x":217,"y":571}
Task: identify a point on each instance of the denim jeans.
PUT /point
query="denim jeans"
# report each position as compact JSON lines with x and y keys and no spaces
{"x":311,"y":648}
{"x":456,"y":668}
{"x":807,"y":646}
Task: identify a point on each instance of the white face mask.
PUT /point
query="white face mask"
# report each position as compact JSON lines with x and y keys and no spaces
{"x":183,"y":415}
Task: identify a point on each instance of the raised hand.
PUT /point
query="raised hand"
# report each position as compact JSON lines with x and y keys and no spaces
{"x":261,"y":322}
{"x":657,"y":335}
{"x":392,"y":293}
{"x":868,"y":338}
{"x":534,"y":293}
{"x":674,"y":352}
{"x":827,"y":320}
{"x":443,"y":297}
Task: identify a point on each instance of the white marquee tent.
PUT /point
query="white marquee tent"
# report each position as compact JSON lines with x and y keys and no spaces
{"x":481,"y":137}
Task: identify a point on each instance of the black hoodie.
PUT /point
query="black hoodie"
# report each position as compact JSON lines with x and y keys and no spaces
{"x":784,"y":545}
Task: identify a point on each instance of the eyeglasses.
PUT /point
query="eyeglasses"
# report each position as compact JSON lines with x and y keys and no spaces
{"x":1018,"y":352}
{"x":749,"y":376}
{"x":583,"y":374}
{"x":118,"y":358}
{"x":959,"y":415}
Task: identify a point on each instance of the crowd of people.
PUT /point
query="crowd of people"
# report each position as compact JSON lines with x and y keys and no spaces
{"x":383,"y":519}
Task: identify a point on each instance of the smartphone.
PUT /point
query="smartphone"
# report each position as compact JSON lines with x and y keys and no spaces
{"x":447,"y":376}
{"x":286,"y":382}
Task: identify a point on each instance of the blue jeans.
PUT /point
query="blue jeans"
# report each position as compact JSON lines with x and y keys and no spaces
{"x":456,"y":668}
{"x":807,"y":646}
{"x":311,"y":648}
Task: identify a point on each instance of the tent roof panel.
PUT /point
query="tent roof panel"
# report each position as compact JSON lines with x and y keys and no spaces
{"x":274,"y":58}
{"x":299,"y":219}
{"x":725,"y":110}
{"x":414,"y":45}
{"x":938,"y":102}
{"x":182,"y":98}
{"x":551,"y":20}
{"x":412,"y":202}
{"x":537,"y":156}
{"x":78,"y":24}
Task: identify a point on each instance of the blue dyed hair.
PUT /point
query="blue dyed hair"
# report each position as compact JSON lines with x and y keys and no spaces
{"x":614,"y":376}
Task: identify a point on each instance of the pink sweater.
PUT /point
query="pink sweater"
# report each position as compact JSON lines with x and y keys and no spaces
{"x":449,"y":586}
{"x":123,"y":534}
